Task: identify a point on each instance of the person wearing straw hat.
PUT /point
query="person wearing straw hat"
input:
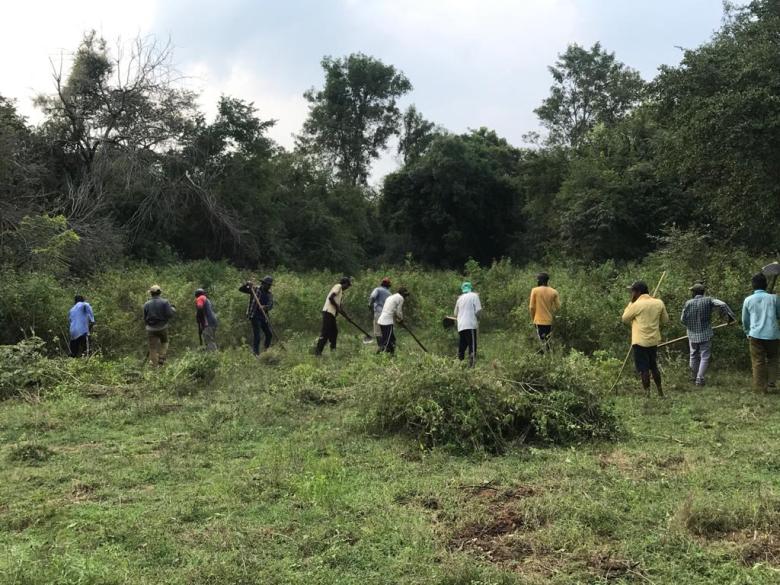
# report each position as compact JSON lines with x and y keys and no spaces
{"x":645,"y":314}
{"x":157,"y":312}
{"x":467,"y":312}
{"x":696,"y":316}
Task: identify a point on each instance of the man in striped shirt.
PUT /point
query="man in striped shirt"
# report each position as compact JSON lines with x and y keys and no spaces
{"x":696,"y":316}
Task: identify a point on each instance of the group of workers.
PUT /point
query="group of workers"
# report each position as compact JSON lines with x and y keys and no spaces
{"x":645,"y":314}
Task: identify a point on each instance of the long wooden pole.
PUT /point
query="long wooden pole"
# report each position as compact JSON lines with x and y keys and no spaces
{"x":684,"y":337}
{"x":267,"y":320}
{"x":628,"y":355}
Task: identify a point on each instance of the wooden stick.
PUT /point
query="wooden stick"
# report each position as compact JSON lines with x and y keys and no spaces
{"x":409,"y":331}
{"x":628,"y":355}
{"x":665,"y":343}
{"x":267,"y":320}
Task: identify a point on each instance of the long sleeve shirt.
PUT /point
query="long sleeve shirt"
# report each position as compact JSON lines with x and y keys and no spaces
{"x":80,"y":317}
{"x":697,"y":317}
{"x":265,"y":297}
{"x":393,"y":310}
{"x":645,"y":315}
{"x":377,"y":300}
{"x":543,"y":304}
{"x":204,"y":313}
{"x":157,"y":312}
{"x":760,"y":313}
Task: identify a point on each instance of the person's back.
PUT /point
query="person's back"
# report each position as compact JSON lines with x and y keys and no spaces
{"x":544,"y":302}
{"x":157,"y":312}
{"x":467,"y":308}
{"x":80,"y":316}
{"x":760,"y":314}
{"x":646,"y":315}
{"x":392,"y":310}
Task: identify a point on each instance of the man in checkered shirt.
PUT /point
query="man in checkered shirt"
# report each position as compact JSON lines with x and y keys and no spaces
{"x":696,"y":316}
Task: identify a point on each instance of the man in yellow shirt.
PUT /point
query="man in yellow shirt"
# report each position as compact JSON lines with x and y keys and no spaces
{"x":544,"y":303}
{"x":645,"y":314}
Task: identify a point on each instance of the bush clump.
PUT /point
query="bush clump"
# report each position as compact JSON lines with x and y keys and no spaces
{"x":22,"y":367}
{"x":192,"y":370}
{"x":442,"y":404}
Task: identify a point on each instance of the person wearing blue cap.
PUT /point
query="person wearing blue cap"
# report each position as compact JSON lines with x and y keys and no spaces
{"x":467,"y":311}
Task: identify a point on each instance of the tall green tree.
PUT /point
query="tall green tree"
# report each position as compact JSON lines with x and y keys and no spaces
{"x":590,"y":87}
{"x":354,"y":115}
{"x":417,"y":134}
{"x":721,"y":113}
{"x":457,"y":201}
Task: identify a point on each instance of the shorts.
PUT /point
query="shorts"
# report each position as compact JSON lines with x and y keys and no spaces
{"x":645,"y":358}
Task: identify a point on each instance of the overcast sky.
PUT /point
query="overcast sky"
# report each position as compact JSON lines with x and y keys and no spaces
{"x":472,"y":63}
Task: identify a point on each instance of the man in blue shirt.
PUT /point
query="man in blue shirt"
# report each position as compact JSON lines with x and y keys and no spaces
{"x":258,"y":314}
{"x":760,"y":313}
{"x":81,"y":321}
{"x":696,"y":316}
{"x":376,"y":303}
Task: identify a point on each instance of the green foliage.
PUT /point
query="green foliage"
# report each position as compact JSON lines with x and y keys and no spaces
{"x":192,"y":371}
{"x":441,"y":403}
{"x":30,"y":453}
{"x":354,"y":115}
{"x":22,"y":367}
{"x":40,"y":243}
{"x":456,"y":201}
{"x":591,"y":87}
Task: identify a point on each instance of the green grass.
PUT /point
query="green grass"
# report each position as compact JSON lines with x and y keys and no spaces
{"x":244,"y":480}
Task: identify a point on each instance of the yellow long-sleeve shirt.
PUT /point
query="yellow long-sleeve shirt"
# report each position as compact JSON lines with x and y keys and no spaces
{"x":543,"y":305}
{"x":646,"y":315}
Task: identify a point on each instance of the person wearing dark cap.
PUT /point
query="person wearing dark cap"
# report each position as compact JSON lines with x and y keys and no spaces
{"x":157,"y":312}
{"x":696,"y":316}
{"x":760,"y":314}
{"x":543,"y":304}
{"x":81,"y":319}
{"x":333,"y":306}
{"x":206,"y":320}
{"x":392,"y":313}
{"x":375,"y":303}
{"x":261,"y":301}
{"x":645,"y":314}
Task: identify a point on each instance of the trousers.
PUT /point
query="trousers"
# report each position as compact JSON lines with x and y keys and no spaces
{"x":467,"y":341}
{"x":260,"y":328}
{"x":329,"y":333}
{"x":699,"y":358}
{"x":387,"y":340}
{"x":158,"y":346}
{"x":763,"y":356}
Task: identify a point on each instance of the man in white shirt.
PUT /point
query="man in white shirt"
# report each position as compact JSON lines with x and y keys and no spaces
{"x":467,"y":311}
{"x":333,"y":306}
{"x":392,"y":313}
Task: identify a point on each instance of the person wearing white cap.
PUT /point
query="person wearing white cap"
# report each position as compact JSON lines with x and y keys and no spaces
{"x":157,"y":312}
{"x":467,"y":311}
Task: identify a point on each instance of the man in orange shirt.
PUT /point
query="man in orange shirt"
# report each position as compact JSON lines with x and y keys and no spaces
{"x":544,"y":303}
{"x":645,"y":314}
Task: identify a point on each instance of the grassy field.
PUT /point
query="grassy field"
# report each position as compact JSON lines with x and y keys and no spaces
{"x":242,"y":480}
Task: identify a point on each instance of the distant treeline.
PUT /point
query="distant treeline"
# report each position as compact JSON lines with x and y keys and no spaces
{"x":125,"y":164}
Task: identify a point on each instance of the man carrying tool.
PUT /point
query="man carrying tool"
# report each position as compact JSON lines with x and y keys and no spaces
{"x":206,"y":320}
{"x":760,"y":313}
{"x":392,"y":313}
{"x":333,"y":306}
{"x":645,"y":314}
{"x":81,"y":319}
{"x":543,"y":304}
{"x":375,"y":303}
{"x":261,"y":301}
{"x":467,"y":312}
{"x":696,"y":316}
{"x":157,"y":312}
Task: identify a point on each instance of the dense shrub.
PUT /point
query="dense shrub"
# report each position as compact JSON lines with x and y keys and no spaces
{"x":440,"y":403}
{"x":22,"y":367}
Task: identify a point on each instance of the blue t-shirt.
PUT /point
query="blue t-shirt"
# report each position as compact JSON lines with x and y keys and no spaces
{"x":80,"y":316}
{"x":760,"y":313}
{"x":377,"y":299}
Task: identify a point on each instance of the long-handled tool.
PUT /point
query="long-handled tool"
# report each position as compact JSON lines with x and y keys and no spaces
{"x":265,"y":315}
{"x":628,"y":355}
{"x":358,"y":327}
{"x":684,"y":337}
{"x":772,"y":270}
{"x":449,"y":322}
{"x":409,"y":331}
